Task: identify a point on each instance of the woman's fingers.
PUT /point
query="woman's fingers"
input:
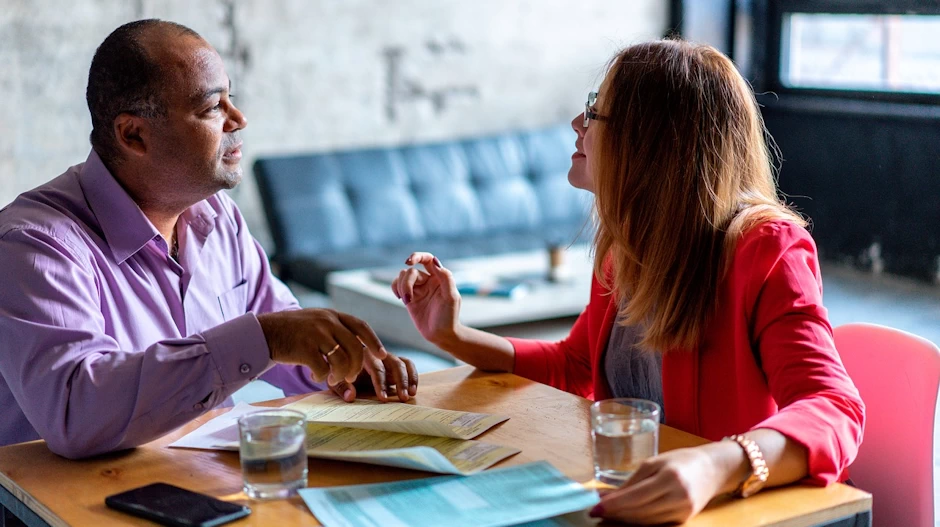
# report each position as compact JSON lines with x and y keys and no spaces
{"x":447,"y":280}
{"x":639,"y":497}
{"x":431,"y":264}
{"x":395,"y":285}
{"x":420,"y":258}
{"x":407,"y":284}
{"x":399,"y":281}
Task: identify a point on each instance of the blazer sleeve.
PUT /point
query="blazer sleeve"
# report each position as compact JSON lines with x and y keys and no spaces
{"x":566,"y":364}
{"x":819,"y":406}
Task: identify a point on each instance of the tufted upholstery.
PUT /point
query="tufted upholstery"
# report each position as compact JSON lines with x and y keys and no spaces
{"x":368,"y":208}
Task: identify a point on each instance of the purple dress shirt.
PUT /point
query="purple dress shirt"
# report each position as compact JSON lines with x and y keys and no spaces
{"x":105,"y":341}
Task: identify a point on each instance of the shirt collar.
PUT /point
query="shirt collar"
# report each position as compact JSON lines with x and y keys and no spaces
{"x":125,"y":227}
{"x":200,"y":217}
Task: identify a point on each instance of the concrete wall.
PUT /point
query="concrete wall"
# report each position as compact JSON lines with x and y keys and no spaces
{"x":321,"y":74}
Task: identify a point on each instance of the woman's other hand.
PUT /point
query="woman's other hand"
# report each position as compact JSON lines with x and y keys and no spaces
{"x":430,"y":296}
{"x":671,"y":487}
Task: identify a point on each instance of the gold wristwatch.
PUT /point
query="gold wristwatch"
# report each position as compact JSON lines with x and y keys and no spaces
{"x":759,"y":471}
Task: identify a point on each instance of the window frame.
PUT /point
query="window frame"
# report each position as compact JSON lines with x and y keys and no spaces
{"x":776,"y":11}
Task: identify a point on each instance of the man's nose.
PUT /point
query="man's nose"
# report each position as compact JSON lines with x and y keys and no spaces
{"x":236,"y":120}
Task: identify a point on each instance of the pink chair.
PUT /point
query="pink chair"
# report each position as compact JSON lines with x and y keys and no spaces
{"x":898,"y":376}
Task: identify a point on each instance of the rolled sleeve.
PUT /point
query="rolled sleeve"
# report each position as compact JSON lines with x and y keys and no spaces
{"x":820,"y":408}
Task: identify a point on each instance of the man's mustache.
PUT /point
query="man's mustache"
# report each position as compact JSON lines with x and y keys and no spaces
{"x":230,"y":141}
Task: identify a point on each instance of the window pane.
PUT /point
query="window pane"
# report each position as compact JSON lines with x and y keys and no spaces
{"x":893,"y":53}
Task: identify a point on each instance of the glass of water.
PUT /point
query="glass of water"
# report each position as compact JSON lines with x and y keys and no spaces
{"x":273,"y":454}
{"x":625,"y":432}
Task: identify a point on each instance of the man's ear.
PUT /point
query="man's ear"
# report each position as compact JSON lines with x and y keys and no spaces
{"x":132,"y":135}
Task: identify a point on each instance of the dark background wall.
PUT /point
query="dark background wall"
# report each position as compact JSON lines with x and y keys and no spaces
{"x":865,"y":167}
{"x":868,"y":175}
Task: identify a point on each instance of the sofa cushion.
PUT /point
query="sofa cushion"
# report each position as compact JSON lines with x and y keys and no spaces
{"x":311,"y":271}
{"x":372,"y":207}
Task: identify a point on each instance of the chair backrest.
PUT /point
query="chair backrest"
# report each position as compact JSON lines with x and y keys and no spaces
{"x":898,"y":377}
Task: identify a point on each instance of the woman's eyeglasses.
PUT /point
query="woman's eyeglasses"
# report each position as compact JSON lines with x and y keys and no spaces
{"x":589,"y":112}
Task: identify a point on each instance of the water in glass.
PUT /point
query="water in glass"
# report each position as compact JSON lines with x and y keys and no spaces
{"x":274,"y":461}
{"x":621,"y":445}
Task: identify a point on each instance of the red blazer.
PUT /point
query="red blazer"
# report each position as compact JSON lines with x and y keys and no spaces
{"x":767,"y":359}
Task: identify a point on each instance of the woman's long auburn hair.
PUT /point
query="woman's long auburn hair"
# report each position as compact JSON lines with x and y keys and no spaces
{"x":681,"y":171}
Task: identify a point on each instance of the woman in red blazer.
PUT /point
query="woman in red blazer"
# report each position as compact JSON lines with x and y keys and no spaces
{"x":703,"y":273}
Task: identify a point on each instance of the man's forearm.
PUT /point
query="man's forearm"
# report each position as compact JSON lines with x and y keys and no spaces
{"x":108,"y":399}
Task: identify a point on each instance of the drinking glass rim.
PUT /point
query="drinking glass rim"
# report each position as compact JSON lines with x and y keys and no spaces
{"x":273,"y":412}
{"x":595,"y":407}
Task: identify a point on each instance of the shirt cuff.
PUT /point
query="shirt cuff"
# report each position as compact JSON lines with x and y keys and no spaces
{"x":238,"y":349}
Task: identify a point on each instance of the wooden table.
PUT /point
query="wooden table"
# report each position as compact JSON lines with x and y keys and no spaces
{"x":545,"y":423}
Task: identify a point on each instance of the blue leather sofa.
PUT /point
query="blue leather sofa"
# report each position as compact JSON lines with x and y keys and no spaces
{"x":372,"y":207}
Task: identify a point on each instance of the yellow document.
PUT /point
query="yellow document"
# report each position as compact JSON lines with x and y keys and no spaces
{"x":324,"y":408}
{"x":419,"y":452}
{"x":391,"y":434}
{"x":399,"y":435}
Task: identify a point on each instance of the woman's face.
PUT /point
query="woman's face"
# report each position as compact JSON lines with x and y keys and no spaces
{"x":579,"y":175}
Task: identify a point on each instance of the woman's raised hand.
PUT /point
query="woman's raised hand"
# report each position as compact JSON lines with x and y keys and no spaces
{"x":430,"y":296}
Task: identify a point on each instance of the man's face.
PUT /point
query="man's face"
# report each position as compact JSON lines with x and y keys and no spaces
{"x":196,"y":150}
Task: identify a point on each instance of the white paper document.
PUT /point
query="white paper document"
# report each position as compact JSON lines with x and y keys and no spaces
{"x":220,"y":433}
{"x":533,"y":494}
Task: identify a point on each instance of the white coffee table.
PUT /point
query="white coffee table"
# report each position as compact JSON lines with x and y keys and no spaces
{"x":546,"y":312}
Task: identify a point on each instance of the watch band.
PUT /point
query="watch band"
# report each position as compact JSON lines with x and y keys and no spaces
{"x":759,"y":470}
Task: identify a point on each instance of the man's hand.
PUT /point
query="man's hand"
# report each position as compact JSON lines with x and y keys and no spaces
{"x":333,"y":345}
{"x":385,"y":377}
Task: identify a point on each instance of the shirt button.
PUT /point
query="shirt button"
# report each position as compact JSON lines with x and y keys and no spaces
{"x":197,"y":406}
{"x":244,"y":368}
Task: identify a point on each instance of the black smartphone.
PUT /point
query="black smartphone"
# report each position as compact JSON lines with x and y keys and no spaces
{"x":171,"y":505}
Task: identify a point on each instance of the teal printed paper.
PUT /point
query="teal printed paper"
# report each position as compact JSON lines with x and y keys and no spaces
{"x":495,"y":498}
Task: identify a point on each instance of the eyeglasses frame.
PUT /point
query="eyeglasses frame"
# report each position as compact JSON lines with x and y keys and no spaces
{"x":589,"y":113}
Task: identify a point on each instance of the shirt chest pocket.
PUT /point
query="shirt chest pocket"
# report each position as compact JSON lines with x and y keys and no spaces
{"x":234,"y":302}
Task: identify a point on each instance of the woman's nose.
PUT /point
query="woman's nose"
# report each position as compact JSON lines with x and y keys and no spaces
{"x":577,"y":124}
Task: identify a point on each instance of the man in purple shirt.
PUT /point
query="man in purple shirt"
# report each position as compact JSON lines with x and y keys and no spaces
{"x":134,"y":298}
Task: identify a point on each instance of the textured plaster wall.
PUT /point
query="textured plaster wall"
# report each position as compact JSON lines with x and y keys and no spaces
{"x":321,"y":74}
